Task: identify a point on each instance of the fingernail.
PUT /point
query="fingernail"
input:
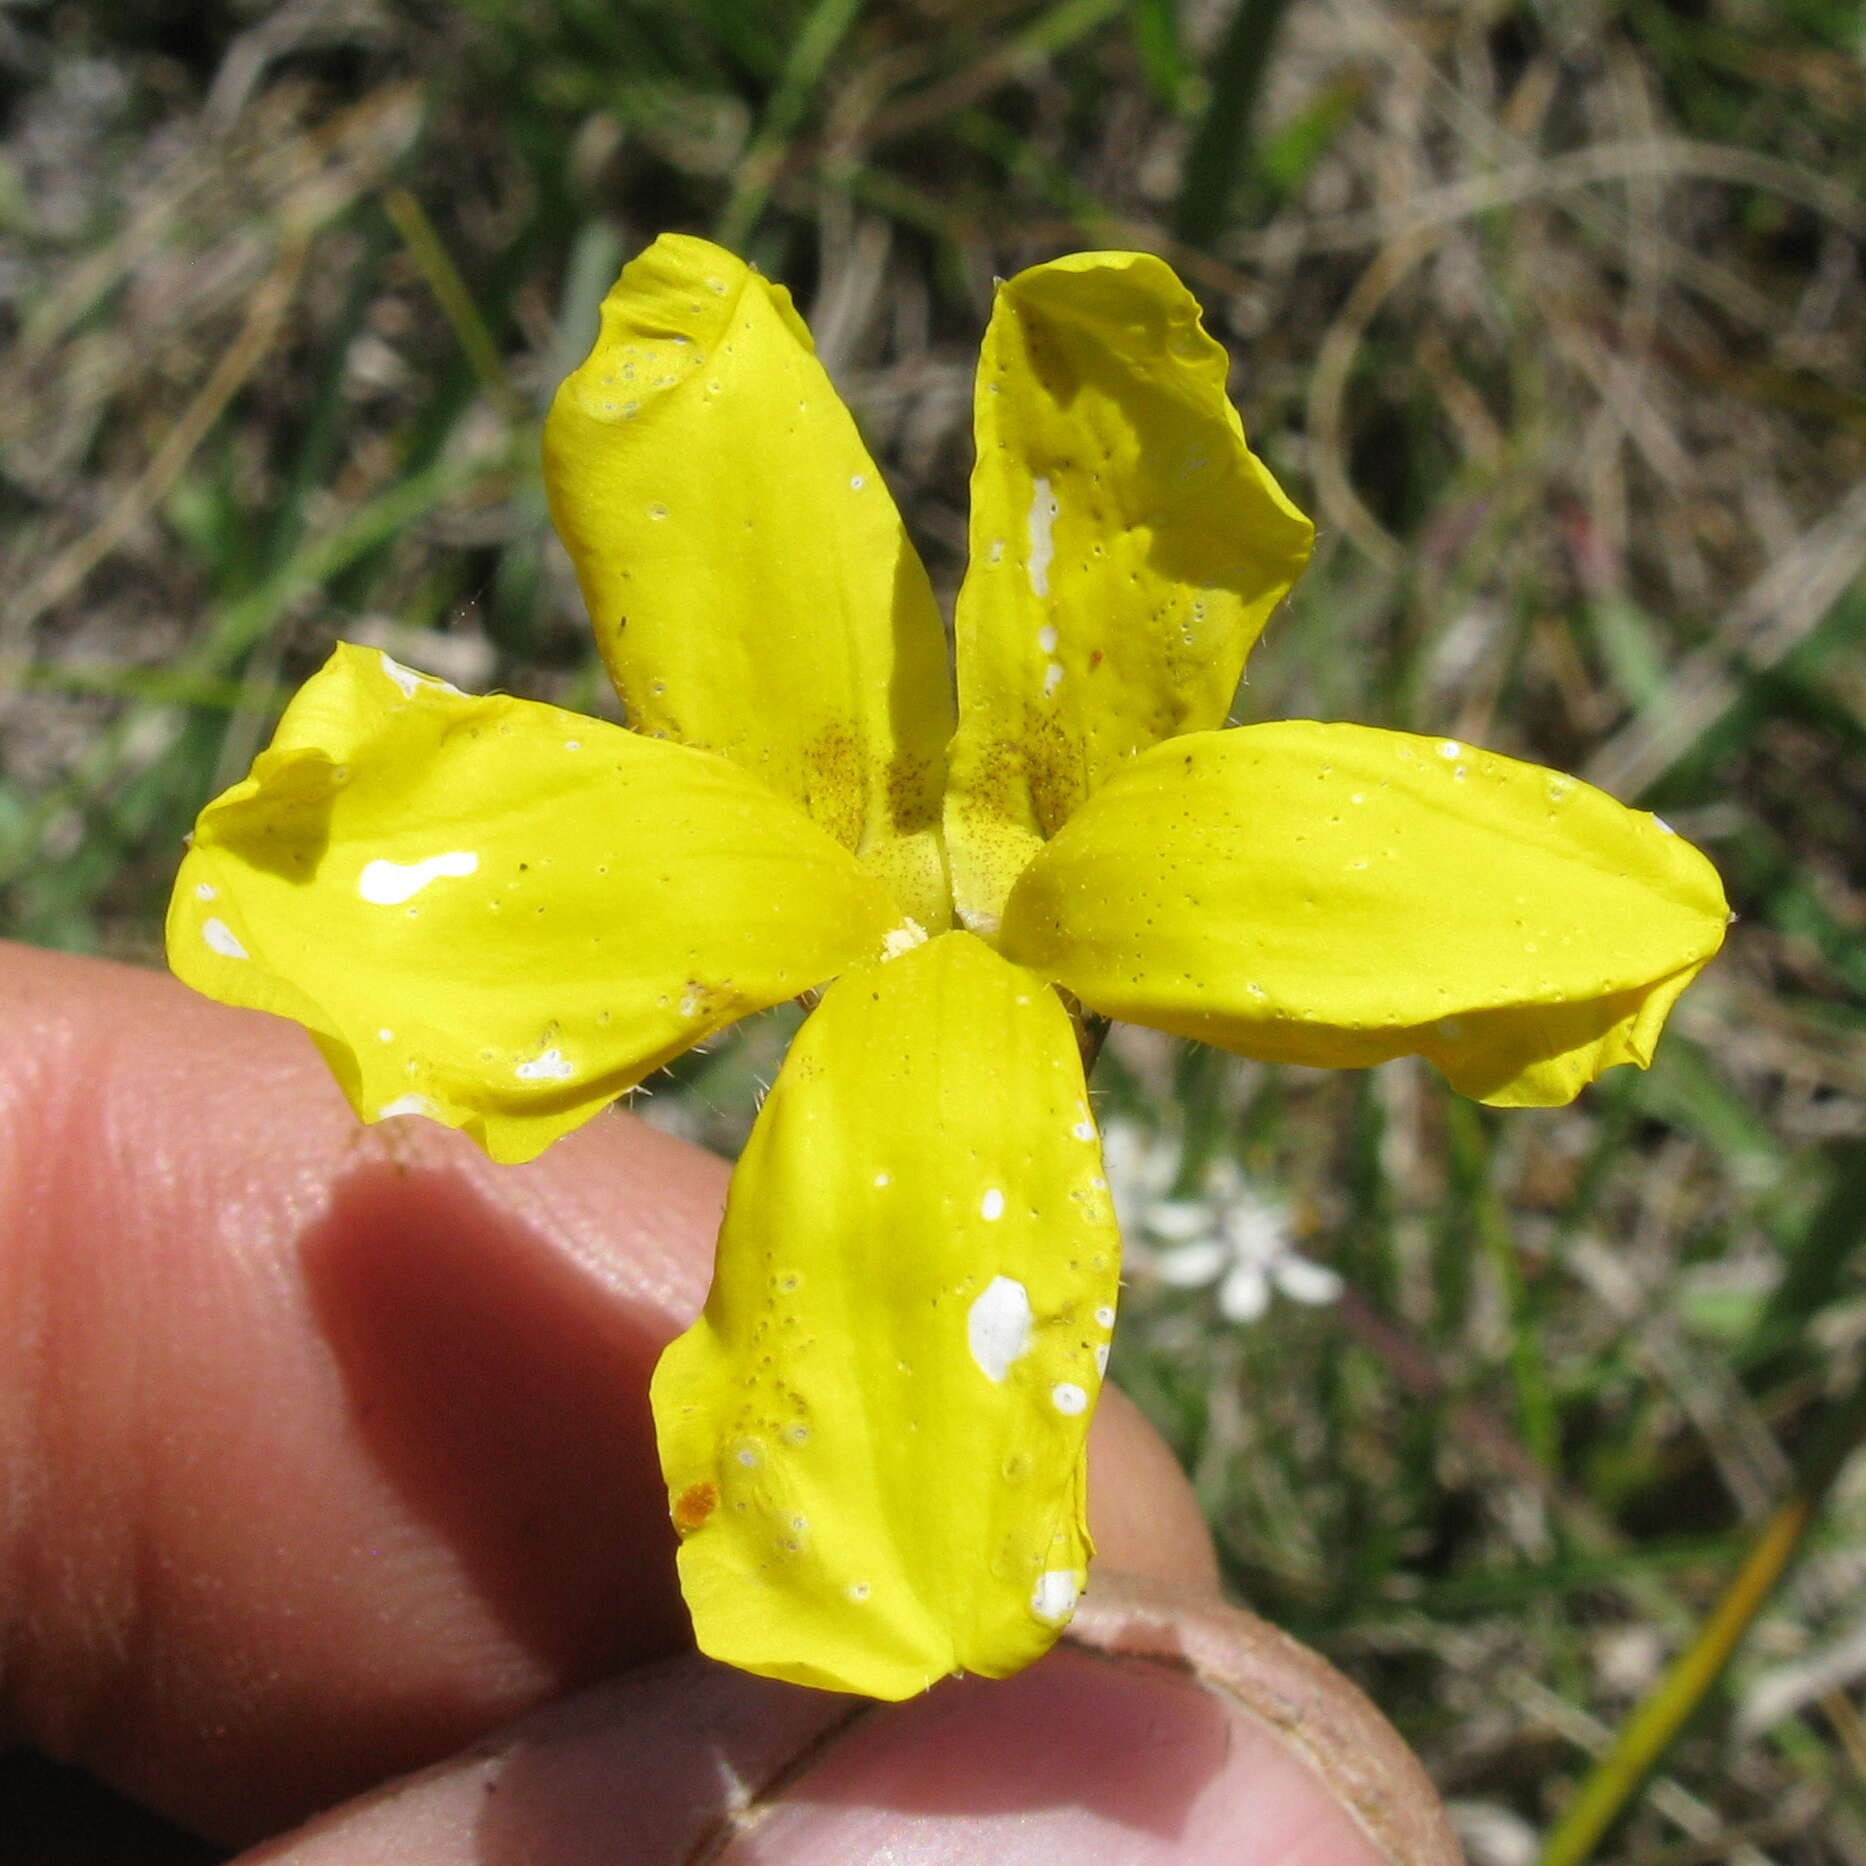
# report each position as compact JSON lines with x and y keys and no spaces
{"x":1290,"y":1697}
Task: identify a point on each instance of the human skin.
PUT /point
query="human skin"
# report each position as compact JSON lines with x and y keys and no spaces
{"x":325,"y":1457}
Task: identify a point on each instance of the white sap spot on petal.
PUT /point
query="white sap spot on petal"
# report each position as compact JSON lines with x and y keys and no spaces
{"x":389,"y":884}
{"x":385,"y":1036}
{"x":1101,"y":1358}
{"x":884,"y":1179}
{"x":1052,"y":678}
{"x":977,"y":920}
{"x":1047,"y":639}
{"x":1056,"y":1595}
{"x":1043,"y":511}
{"x":1084,"y":1130}
{"x":996,"y":554}
{"x":573,"y":745}
{"x":992,"y":1204}
{"x":552,"y":1066}
{"x":1069,"y":1398}
{"x":856,"y":482}
{"x":858,"y":1590}
{"x":410,"y":682}
{"x":404,"y":677}
{"x":1104,"y":1316}
{"x":1450,"y":748}
{"x":205,"y":890}
{"x":220,"y":939}
{"x":997,"y":1327}
{"x":904,"y":938}
{"x":404,"y":1104}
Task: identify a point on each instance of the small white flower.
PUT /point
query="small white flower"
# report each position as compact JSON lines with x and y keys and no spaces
{"x":1140,"y":1169}
{"x":1229,"y":1233}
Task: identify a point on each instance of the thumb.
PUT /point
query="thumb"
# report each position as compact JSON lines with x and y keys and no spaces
{"x":1167,"y":1729}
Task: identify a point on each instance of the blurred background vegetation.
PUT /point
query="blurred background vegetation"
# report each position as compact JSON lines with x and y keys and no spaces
{"x":1552,"y":314}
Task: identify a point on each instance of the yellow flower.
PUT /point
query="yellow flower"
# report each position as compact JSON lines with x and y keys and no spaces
{"x":502,"y":915}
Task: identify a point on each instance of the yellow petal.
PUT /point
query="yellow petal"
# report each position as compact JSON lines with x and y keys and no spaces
{"x":873,"y":1437}
{"x":752,"y":587}
{"x":499,"y":914}
{"x":1126,"y":547}
{"x":1334,"y":895}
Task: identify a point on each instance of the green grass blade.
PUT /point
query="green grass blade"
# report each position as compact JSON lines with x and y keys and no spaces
{"x":1616,"y":1779}
{"x":815,"y":46}
{"x":1222,"y":144}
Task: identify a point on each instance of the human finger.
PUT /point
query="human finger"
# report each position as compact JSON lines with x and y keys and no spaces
{"x":1166,"y":1731}
{"x":329,"y":1447}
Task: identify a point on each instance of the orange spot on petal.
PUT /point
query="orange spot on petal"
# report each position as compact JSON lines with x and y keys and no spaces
{"x":694,"y":1505}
